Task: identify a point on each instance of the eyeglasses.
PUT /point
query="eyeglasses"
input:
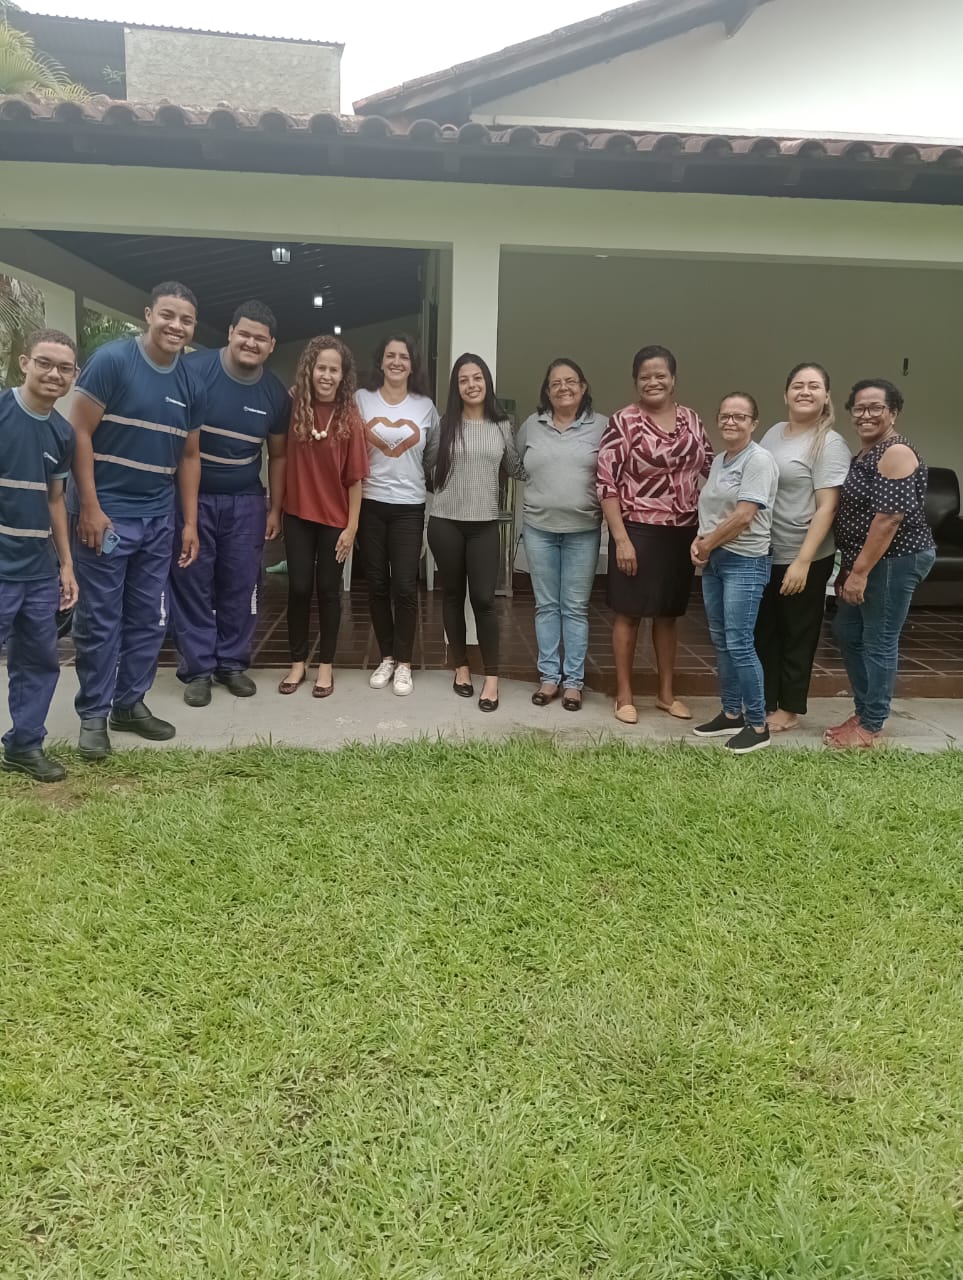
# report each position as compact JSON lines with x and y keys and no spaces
{"x":45,"y":366}
{"x":868,"y":410}
{"x":740,"y":419}
{"x":566,"y":384}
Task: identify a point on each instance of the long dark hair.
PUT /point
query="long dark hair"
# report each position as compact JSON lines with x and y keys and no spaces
{"x":450,"y":429}
{"x":585,"y":405}
{"x":345,"y":417}
{"x":417,"y":379}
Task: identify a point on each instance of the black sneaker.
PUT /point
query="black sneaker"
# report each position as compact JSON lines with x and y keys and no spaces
{"x":197,"y":692}
{"x":94,"y":743}
{"x":747,"y":740}
{"x":137,"y":719}
{"x":720,"y":727}
{"x":236,"y":682}
{"x":34,"y":764}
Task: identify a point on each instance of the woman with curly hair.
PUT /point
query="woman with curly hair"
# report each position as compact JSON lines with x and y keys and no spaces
{"x":327,"y":461}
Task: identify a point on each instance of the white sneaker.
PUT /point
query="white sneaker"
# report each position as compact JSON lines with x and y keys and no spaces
{"x":381,"y":676}
{"x":403,"y":682}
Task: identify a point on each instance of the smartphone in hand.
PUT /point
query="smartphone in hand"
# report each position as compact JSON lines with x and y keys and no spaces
{"x":110,"y":542}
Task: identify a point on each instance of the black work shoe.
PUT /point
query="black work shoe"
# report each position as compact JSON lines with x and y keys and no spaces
{"x":236,"y":682}
{"x":137,"y":719}
{"x":747,"y":740}
{"x":197,"y":693}
{"x":93,"y":743}
{"x":34,"y":764}
{"x":719,"y":727}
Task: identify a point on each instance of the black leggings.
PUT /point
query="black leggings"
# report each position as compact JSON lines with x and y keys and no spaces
{"x":311,"y":563}
{"x":787,"y":636}
{"x":467,"y":552}
{"x":391,"y":537}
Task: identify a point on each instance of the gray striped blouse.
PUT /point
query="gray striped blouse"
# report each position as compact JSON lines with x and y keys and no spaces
{"x":471,"y":491}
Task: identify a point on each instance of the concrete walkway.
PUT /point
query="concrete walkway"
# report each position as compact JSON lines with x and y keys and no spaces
{"x":356,"y":713}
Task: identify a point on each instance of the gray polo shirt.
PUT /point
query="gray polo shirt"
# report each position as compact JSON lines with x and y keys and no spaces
{"x":799,"y":478}
{"x":751,"y":476}
{"x":560,"y":493}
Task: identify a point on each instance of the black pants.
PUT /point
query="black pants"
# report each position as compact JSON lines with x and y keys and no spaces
{"x":391,"y":536}
{"x":787,"y":636}
{"x":311,"y":564}
{"x":466,"y":552}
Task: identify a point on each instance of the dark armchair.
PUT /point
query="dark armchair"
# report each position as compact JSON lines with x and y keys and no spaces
{"x":944,"y":586}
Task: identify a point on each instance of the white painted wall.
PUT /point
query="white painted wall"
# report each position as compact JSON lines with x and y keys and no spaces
{"x":146,"y":201}
{"x":738,"y":326}
{"x":824,"y":68}
{"x":362,"y":342}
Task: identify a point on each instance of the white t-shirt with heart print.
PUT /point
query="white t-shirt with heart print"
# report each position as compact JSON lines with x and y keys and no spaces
{"x":402,"y":445}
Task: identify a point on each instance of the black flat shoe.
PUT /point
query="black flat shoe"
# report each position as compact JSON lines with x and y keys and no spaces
{"x":487,"y":704}
{"x":137,"y":719}
{"x":197,"y":693}
{"x":464,"y":690}
{"x":34,"y":764}
{"x":239,"y":683}
{"x":94,"y":744}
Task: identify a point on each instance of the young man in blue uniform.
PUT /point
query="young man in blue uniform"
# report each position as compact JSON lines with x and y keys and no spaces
{"x":36,"y":570}
{"x":136,"y":416}
{"x":214,"y":601}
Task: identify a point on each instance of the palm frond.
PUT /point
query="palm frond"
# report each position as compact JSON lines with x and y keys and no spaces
{"x":25,"y":71}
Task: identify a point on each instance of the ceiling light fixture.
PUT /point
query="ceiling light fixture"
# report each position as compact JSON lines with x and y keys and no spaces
{"x":280,"y":256}
{"x":319,"y":301}
{"x":337,"y":331}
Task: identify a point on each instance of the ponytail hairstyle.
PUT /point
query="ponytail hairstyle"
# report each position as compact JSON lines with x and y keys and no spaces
{"x":451,"y":428}
{"x":828,"y":419}
{"x":345,"y":416}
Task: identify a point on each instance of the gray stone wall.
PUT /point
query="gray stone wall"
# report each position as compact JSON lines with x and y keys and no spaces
{"x":197,"y":69}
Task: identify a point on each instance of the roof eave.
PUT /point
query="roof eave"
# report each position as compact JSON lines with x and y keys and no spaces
{"x":556,"y":53}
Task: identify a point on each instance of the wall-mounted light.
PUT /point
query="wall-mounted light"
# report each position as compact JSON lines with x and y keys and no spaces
{"x":337,"y":331}
{"x":318,"y":301}
{"x":280,"y":256}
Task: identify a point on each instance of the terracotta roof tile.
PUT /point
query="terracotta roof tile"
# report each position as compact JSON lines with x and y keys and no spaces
{"x":32,"y":127}
{"x":176,"y":117}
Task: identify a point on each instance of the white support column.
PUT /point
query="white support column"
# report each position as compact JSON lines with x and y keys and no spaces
{"x":475,"y":265}
{"x":474,"y":299}
{"x":61,"y":309}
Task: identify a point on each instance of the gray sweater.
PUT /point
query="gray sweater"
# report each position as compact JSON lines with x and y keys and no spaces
{"x":471,"y":490}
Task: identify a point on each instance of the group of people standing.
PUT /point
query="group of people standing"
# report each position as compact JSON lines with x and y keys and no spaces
{"x":764,"y":528}
{"x":166,"y":517}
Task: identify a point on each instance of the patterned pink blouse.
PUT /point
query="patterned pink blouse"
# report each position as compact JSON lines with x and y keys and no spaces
{"x":654,"y":474}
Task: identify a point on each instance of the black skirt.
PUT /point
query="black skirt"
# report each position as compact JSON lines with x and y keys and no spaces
{"x":663,"y":582}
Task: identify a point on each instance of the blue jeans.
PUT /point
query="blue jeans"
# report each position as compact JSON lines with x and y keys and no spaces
{"x":868,"y":633}
{"x":732,"y":588}
{"x":562,"y":566}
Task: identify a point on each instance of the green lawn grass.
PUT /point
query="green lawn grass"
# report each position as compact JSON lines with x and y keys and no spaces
{"x":438,"y":1013}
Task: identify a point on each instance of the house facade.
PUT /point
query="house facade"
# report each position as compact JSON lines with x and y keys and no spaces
{"x":749,"y":183}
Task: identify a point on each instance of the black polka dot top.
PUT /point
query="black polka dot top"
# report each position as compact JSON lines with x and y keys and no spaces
{"x":867,"y":494}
